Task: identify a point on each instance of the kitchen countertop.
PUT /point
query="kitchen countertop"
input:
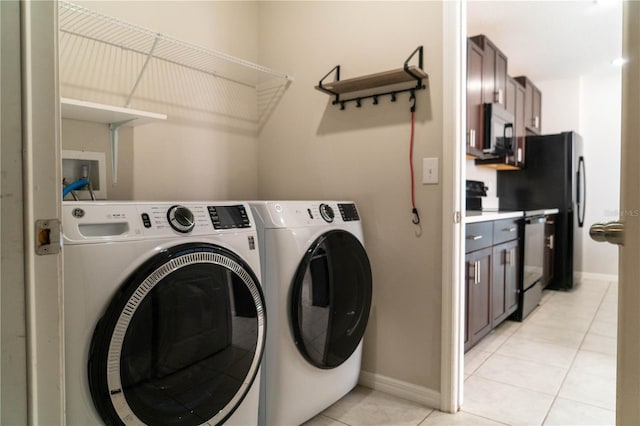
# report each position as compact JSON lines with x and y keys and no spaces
{"x":474,"y":216}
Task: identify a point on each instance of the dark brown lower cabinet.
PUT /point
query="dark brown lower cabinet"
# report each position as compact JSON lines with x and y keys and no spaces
{"x":493,"y":270}
{"x":478,"y":296}
{"x":504,"y":283}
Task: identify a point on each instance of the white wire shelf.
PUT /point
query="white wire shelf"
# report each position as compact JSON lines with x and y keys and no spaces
{"x":78,"y":21}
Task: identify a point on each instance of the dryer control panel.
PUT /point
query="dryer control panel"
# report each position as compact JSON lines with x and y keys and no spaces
{"x":348,"y":211}
{"x":291,"y":214}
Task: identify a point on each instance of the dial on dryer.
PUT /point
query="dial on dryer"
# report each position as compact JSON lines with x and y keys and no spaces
{"x":327,"y":212}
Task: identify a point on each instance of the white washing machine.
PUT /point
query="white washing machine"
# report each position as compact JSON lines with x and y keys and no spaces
{"x":164,"y":316}
{"x":317,"y":283}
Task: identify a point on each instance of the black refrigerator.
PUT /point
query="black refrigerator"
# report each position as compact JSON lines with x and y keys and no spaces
{"x":553,"y":177}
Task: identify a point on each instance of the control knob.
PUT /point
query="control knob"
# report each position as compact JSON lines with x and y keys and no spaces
{"x":327,"y":212}
{"x":181,"y":219}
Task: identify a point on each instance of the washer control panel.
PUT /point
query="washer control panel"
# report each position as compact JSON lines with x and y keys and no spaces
{"x":229,"y":217}
{"x":92,"y":221}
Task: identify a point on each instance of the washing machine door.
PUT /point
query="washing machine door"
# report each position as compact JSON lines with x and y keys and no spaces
{"x":181,"y":342}
{"x":331,"y":299}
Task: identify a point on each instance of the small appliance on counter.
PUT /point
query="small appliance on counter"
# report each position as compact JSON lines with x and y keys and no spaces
{"x":476,"y":195}
{"x":475,"y":190}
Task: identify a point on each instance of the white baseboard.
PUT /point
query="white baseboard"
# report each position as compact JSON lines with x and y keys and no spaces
{"x":409,"y":391}
{"x":594,"y":276}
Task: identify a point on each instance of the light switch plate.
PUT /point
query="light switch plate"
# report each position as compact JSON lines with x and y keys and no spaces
{"x":429,"y":171}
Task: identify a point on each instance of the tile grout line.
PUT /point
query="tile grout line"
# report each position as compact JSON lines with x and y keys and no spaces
{"x":433,"y":410}
{"x":329,"y":417}
{"x":555,"y":398}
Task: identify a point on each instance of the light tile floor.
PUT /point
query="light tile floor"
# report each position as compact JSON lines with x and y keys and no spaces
{"x":558,"y":367}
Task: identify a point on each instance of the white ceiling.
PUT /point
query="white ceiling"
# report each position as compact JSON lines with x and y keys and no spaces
{"x":551,"y":40}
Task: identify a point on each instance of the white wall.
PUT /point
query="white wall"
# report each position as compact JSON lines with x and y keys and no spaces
{"x":600,"y":121}
{"x":590,"y":105}
{"x":311,"y":149}
{"x":560,"y":105}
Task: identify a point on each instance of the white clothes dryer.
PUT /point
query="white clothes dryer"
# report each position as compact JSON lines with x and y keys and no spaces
{"x":164,"y":316}
{"x":318,"y":285}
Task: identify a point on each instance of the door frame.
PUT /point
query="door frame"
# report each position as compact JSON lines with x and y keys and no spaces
{"x":42,"y":196}
{"x":13,"y":382}
{"x":454,"y":35}
{"x":628,"y":368}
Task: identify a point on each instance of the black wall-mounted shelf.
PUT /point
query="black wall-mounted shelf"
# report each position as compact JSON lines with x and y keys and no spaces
{"x":406,"y":74}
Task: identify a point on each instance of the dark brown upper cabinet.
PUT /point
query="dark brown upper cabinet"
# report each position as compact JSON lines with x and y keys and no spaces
{"x":474,"y":100}
{"x":516,"y":106}
{"x":494,"y":67}
{"x":533,"y":106}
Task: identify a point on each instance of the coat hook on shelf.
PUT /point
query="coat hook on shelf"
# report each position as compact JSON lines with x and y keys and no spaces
{"x":412,"y":99}
{"x":375,"y":100}
{"x":393,"y":97}
{"x":341,"y":106}
{"x":358,"y":103}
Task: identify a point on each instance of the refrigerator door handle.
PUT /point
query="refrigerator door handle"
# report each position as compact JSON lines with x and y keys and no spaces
{"x":581,"y":195}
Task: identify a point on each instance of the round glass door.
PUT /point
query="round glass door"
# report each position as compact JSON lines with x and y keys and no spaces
{"x":331,"y":298}
{"x":181,"y":342}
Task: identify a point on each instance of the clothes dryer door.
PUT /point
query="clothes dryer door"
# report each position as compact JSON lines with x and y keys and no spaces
{"x":331,"y":299}
{"x":181,"y":341}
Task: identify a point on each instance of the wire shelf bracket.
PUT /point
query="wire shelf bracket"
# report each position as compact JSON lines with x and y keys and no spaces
{"x":114,"y":117}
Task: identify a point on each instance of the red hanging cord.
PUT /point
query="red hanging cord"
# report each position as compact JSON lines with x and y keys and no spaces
{"x":414,"y":210}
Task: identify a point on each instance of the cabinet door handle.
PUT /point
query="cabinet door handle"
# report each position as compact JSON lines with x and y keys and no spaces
{"x":477,"y":270}
{"x":474,"y":237}
{"x":550,"y":242}
{"x":498,"y":96}
{"x":519,"y":155}
{"x":472,"y":138}
{"x":511,"y":229}
{"x":507,"y":257}
{"x":536,"y":121}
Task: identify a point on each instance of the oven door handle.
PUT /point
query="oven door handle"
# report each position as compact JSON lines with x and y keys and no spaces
{"x":534,"y":220}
